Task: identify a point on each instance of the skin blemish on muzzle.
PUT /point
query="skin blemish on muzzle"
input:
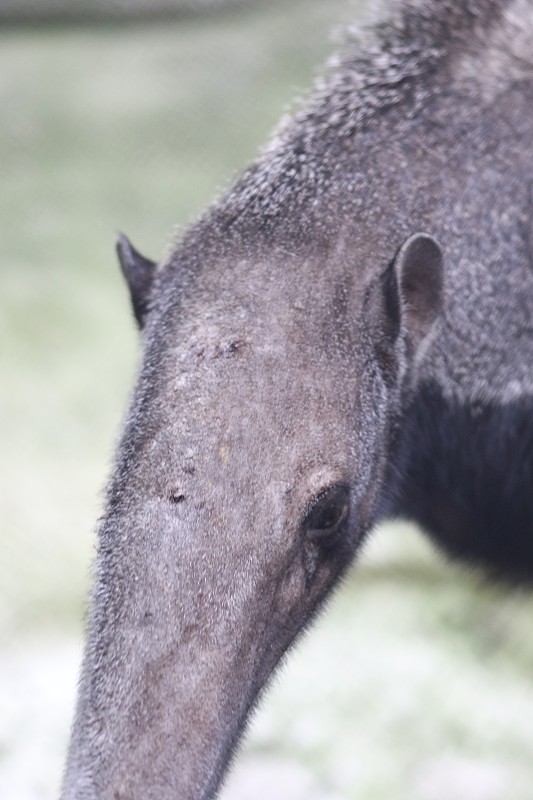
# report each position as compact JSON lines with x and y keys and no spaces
{"x":223,"y":454}
{"x":175,"y":491}
{"x":224,"y":349}
{"x":176,"y":495}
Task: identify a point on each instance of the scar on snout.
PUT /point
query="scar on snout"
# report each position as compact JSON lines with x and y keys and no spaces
{"x":234,"y":347}
{"x":176,"y":495}
{"x":227,"y":349}
{"x":223,"y":453}
{"x":220,"y":349}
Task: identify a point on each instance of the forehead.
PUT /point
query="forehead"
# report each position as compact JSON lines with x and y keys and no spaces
{"x":280,"y":304}
{"x":253,"y":369}
{"x":283,"y":323}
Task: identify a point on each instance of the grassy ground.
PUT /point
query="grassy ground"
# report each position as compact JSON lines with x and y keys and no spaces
{"x":415,"y":683}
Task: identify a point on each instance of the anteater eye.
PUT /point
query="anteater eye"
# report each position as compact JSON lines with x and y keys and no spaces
{"x":328,"y":512}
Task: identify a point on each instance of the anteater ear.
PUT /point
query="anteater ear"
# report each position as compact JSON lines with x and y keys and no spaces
{"x":419,"y":277}
{"x":404,"y":301}
{"x":139,"y":273}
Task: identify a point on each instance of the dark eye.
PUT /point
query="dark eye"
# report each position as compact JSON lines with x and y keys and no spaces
{"x":328,"y":512}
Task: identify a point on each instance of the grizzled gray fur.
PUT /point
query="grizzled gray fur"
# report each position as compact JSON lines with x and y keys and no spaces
{"x":347,"y":334}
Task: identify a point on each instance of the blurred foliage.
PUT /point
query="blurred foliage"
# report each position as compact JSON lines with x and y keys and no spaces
{"x":31,"y":12}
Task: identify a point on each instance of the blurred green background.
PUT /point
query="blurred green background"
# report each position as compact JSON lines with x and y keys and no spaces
{"x":416,"y":682}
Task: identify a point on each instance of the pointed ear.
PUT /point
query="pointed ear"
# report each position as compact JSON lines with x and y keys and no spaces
{"x":139,"y":273}
{"x":418,"y":267}
{"x":404,"y":301}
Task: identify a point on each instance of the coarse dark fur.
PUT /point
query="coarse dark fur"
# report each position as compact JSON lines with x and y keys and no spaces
{"x":465,"y":472}
{"x":348,"y":329}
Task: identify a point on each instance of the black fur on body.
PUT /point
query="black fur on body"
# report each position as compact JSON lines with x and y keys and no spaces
{"x":309,"y":363}
{"x":464,"y":471}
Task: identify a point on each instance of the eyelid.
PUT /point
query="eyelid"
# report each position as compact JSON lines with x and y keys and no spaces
{"x":328,"y":490}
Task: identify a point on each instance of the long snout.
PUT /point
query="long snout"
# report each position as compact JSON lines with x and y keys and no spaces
{"x":180,"y":640}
